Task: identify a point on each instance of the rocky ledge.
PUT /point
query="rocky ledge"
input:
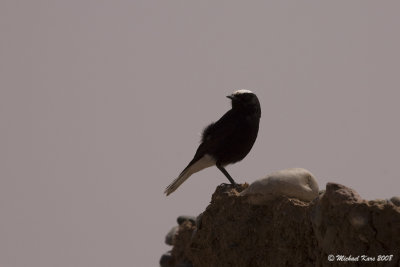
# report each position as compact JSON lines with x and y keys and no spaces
{"x":336,"y":228}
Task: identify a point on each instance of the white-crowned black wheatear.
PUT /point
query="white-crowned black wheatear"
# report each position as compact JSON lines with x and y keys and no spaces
{"x":226,"y":141}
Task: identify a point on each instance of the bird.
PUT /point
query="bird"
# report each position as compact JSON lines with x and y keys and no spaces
{"x":227,"y":140}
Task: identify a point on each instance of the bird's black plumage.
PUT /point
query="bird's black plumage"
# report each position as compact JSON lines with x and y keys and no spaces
{"x":226,"y":141}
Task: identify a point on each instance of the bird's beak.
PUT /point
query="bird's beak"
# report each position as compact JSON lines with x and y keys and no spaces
{"x":230,"y":96}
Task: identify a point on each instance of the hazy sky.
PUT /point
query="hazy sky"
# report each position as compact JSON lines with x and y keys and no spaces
{"x":102,"y":104}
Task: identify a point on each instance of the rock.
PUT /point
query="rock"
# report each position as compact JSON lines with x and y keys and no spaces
{"x":182,"y":239}
{"x":198,"y":221}
{"x":345,"y":224}
{"x":359,"y":218}
{"x":181,"y":219}
{"x":167,"y":260}
{"x":169,"y":238}
{"x":294,"y":183}
{"x":338,"y":194}
{"x":289,"y":232}
{"x":395,"y":200}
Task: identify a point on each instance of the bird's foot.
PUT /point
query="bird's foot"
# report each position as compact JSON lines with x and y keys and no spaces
{"x":239,"y":187}
{"x":230,"y":189}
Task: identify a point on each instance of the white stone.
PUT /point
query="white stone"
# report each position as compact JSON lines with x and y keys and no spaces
{"x":295,"y":183}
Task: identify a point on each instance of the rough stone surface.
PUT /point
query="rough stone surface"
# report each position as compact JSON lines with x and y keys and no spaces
{"x":395,"y":200}
{"x":345,"y":224}
{"x":289,"y":232}
{"x":296,"y":183}
{"x":167,"y":260}
{"x":171,"y":234}
{"x":183,"y":218}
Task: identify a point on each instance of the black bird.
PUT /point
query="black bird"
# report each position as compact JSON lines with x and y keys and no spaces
{"x":226,"y":141}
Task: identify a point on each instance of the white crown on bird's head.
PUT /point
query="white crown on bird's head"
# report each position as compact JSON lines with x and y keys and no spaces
{"x":242,"y":91}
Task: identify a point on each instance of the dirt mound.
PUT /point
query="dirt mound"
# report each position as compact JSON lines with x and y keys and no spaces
{"x":337,"y":228}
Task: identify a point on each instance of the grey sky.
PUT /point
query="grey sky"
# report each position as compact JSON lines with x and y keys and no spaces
{"x":103,"y":102}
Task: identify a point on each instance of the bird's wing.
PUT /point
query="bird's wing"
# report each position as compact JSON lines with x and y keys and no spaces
{"x":215,"y":134}
{"x":221,"y":128}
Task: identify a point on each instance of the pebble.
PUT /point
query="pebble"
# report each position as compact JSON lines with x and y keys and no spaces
{"x":184,"y":218}
{"x":169,"y":238}
{"x":166,"y":260}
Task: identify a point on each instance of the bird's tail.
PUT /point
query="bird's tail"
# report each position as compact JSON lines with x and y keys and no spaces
{"x":178,"y":181}
{"x":193,"y":167}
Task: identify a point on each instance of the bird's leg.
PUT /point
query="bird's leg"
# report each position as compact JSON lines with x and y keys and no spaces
{"x":222,"y":169}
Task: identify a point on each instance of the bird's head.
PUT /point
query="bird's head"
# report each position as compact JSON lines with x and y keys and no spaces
{"x":245,"y":100}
